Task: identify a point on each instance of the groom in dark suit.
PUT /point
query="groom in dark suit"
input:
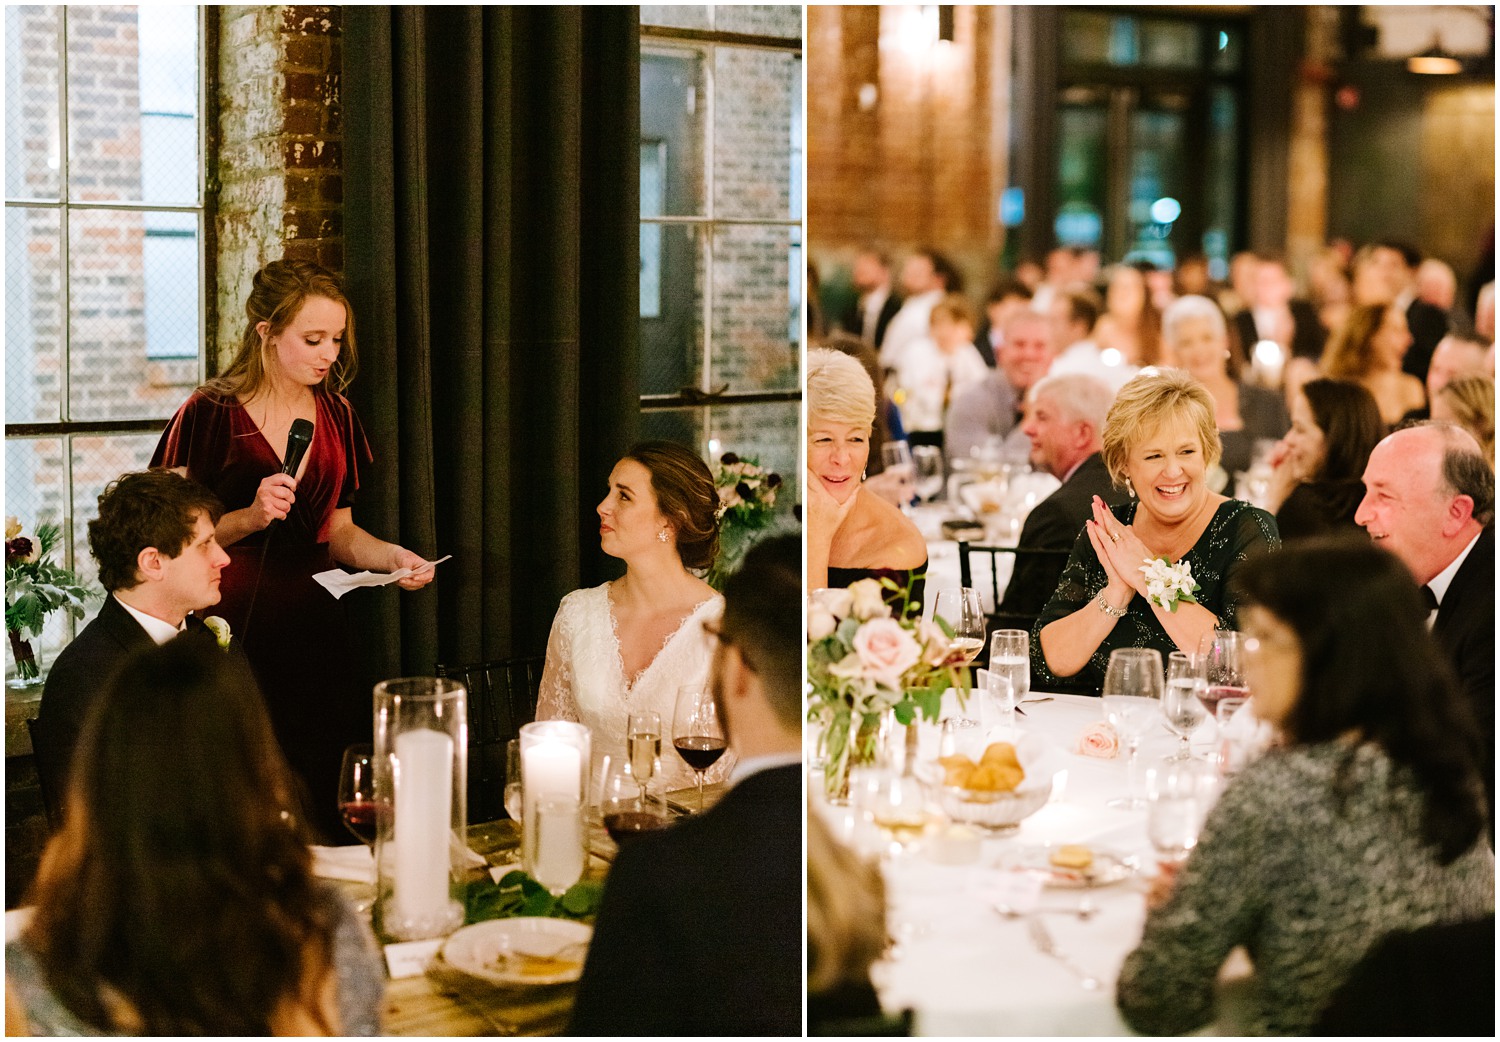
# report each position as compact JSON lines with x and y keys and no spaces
{"x":700,"y":930}
{"x":158,"y":561}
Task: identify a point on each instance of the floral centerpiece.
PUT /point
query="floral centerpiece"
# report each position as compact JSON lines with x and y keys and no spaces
{"x":34,"y":588}
{"x":865,"y":660}
{"x":747,"y":502}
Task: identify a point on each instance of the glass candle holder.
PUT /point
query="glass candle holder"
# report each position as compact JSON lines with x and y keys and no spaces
{"x":421,"y":782}
{"x":555,"y":762}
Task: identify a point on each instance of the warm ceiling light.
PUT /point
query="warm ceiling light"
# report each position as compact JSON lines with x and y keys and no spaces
{"x":1433,"y":62}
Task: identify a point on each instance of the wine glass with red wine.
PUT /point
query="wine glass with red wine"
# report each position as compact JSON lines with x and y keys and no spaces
{"x":1222,"y":658}
{"x":625,"y":807}
{"x":357,"y":793}
{"x":696,"y":733}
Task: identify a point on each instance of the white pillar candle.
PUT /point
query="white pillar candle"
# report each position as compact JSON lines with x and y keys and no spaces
{"x":550,"y":769}
{"x":423,"y":775}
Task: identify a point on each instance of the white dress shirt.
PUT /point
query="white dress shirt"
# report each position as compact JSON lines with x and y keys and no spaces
{"x":157,"y":629}
{"x":1444,"y":579}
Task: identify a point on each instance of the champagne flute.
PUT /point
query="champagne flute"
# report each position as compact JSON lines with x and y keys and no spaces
{"x":1132,"y":702}
{"x":697,"y":734}
{"x":625,"y":807}
{"x":554,"y":847}
{"x":357,"y":804}
{"x":643,"y":741}
{"x":960,"y":608}
{"x":1010,"y":656}
{"x":1182,"y":702}
{"x":513,"y":801}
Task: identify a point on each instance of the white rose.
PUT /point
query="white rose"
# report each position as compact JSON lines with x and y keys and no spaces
{"x":837,"y":601}
{"x":820,"y":622}
{"x":869,"y":600}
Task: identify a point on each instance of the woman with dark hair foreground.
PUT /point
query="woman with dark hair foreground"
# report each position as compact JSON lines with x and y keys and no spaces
{"x":178,"y":897}
{"x":1367,"y":818}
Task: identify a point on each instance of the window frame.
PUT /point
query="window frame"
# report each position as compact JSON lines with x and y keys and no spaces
{"x":66,"y":429}
{"x":706,"y":225}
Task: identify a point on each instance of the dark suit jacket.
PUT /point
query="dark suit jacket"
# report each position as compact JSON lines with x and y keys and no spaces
{"x":983,"y":346}
{"x":700,"y":930}
{"x":1428,"y":325}
{"x":1054,"y":524}
{"x":1465,"y":628}
{"x":1308,"y":334}
{"x":854,"y":318}
{"x":75,"y":680}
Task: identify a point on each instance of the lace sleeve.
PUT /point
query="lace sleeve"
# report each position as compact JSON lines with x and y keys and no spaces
{"x":555,"y":699}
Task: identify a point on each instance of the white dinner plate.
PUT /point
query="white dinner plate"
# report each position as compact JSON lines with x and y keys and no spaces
{"x":520,"y":951}
{"x":1108,"y":868}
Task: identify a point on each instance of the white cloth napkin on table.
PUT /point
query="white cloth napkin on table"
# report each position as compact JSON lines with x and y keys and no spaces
{"x":357,"y":864}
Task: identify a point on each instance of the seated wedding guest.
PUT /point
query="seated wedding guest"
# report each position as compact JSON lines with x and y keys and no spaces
{"x":1131,"y":323}
{"x":178,"y":899}
{"x":1435,"y":980}
{"x":1198,"y":337}
{"x":992,"y":408}
{"x":1074,"y":311}
{"x":1275,"y":313}
{"x":700,"y":928}
{"x":1368,"y":817}
{"x":1456,"y":355}
{"x":630,"y":644}
{"x":846,"y":933}
{"x":1064,"y":423}
{"x":1006,"y":298}
{"x":1159,"y":443}
{"x":850,"y":535}
{"x":158,"y":561}
{"x":926,"y":278}
{"x":1368,"y":349}
{"x":1315,"y":484}
{"x":887,"y":426}
{"x":937,"y":369}
{"x":1430,"y":500}
{"x":1470,"y":403}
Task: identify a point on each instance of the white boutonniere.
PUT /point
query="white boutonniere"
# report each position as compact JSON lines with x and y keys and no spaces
{"x":220,"y":630}
{"x":1168,"y":584}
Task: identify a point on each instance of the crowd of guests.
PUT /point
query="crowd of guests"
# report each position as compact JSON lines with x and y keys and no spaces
{"x":1363,"y":572}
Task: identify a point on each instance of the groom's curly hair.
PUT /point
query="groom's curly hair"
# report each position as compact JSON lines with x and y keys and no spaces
{"x":685,"y":494}
{"x":149,"y":508}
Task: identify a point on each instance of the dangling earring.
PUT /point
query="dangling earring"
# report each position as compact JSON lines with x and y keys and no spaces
{"x":1130,"y":488}
{"x":863,"y":475}
{"x":661,"y":537}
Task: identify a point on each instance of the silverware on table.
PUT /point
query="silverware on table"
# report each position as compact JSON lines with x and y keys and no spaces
{"x":1042,"y":938}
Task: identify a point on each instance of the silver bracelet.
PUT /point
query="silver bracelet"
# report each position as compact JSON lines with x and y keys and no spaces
{"x":1113,"y":613}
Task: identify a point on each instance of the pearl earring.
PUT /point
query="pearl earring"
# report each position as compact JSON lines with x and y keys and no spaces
{"x":661,"y":537}
{"x":864,"y":475}
{"x":1130,"y":488}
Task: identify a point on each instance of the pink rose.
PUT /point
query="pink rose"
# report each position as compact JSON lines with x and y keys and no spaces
{"x":1099,"y":740}
{"x":886,"y":650}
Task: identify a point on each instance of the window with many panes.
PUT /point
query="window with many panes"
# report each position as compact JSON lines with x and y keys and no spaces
{"x":721,"y":230}
{"x":105,"y":270}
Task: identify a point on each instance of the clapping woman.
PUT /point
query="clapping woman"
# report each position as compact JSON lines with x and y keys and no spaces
{"x":630,"y":644}
{"x":178,"y":897}
{"x":296,"y":357}
{"x":1366,"y":818}
{"x":1159,"y":441}
{"x":851,"y":535}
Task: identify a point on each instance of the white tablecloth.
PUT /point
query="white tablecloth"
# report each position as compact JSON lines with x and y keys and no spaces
{"x":964,"y":968}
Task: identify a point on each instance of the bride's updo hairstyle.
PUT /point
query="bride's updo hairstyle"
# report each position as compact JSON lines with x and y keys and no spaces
{"x":685,"y":494}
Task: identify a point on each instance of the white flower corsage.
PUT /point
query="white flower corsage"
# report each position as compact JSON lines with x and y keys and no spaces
{"x":220,"y":630}
{"x":1168,"y":584}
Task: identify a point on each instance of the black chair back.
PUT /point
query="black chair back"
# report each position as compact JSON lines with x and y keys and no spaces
{"x":501,"y":698}
{"x":987,"y":569}
{"x":44,"y":756}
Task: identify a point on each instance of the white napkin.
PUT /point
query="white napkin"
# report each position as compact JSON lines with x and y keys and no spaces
{"x":339,"y":582}
{"x":354,"y":863}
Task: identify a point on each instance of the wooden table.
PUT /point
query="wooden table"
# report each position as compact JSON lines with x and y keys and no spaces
{"x":443,"y":1002}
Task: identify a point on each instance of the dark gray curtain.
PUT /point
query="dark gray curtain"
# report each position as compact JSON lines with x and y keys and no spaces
{"x":491,"y":165}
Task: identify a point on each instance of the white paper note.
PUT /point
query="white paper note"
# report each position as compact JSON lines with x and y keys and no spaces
{"x":339,"y":582}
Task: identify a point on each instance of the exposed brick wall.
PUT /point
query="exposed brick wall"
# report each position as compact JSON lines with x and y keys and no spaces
{"x":281,"y":153}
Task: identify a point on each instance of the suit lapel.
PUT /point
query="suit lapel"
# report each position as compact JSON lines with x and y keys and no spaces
{"x":121,"y":625}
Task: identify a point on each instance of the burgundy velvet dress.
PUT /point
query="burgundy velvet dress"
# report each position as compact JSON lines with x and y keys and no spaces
{"x":294,"y":635}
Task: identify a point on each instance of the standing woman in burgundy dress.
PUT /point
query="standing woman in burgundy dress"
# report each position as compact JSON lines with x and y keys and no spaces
{"x":295,"y":358}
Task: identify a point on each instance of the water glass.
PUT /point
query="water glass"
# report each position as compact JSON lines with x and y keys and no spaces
{"x":1181,"y":701}
{"x":1179,"y":796}
{"x":958,"y":736}
{"x":1010,"y":656}
{"x":998,"y":706}
{"x":1132,"y":703}
{"x":928,"y":460}
{"x":1236,"y":741}
{"x":897,"y":460}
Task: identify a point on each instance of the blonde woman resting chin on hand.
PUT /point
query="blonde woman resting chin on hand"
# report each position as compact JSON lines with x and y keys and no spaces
{"x":851,"y":534}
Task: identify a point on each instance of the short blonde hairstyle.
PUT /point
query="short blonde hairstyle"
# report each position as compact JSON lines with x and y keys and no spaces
{"x":839,"y":389}
{"x":1472,"y":399}
{"x":846,"y":927}
{"x":1152,"y":398}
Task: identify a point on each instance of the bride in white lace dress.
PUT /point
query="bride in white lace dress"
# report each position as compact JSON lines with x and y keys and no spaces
{"x":630,"y":644}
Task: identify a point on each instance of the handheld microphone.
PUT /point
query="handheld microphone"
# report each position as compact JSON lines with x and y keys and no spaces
{"x":297,"y":441}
